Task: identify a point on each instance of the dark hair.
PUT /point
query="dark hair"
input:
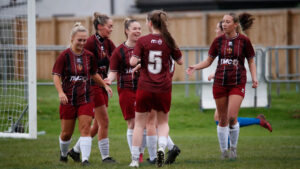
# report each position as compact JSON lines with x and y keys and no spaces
{"x":244,"y":21}
{"x":100,"y":19}
{"x":127,"y":23}
{"x":159,"y":19}
{"x":220,"y":25}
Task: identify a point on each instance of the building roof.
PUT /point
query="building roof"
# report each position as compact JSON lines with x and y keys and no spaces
{"x":185,"y":5}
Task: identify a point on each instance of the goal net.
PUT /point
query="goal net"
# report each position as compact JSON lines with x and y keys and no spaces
{"x":17,"y":69}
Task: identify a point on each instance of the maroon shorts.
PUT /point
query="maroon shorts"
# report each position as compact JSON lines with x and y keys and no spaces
{"x":100,"y":96}
{"x":146,"y":101}
{"x":225,"y":91}
{"x":68,"y":112}
{"x":127,"y":102}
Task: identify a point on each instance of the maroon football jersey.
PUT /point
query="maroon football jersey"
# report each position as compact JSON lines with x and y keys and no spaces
{"x":119,"y":62}
{"x":155,"y":56}
{"x":75,"y":71}
{"x":232,"y":54}
{"x":102,"y":48}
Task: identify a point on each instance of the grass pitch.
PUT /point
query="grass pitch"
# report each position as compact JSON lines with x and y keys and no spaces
{"x":192,"y":130}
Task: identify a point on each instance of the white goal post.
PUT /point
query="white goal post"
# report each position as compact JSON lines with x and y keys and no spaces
{"x":18,"y":96}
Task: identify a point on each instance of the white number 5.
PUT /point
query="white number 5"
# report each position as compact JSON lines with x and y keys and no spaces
{"x":154,"y":65}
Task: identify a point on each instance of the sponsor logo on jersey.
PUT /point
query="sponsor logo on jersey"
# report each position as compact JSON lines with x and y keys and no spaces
{"x":159,"y":41}
{"x":78,"y":78}
{"x":234,"y":62}
{"x":129,"y":71}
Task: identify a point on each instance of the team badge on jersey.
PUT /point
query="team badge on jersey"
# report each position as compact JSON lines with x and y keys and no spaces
{"x":229,"y":51}
{"x":159,"y":41}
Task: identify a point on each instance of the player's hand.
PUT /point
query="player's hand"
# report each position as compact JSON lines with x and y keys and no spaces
{"x":108,"y":90}
{"x":107,"y":81}
{"x":211,"y":76}
{"x":63,"y":98}
{"x":190,"y":70}
{"x":254,"y":83}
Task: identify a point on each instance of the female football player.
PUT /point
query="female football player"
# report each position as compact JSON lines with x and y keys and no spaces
{"x":75,"y":67}
{"x":153,"y":51}
{"x":230,"y":79}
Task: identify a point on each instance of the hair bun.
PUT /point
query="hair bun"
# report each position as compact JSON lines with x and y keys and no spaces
{"x":97,"y":14}
{"x":77,"y":24}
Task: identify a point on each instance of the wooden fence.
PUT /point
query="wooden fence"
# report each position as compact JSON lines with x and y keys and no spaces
{"x":271,"y":28}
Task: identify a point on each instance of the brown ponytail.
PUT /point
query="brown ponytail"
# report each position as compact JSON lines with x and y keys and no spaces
{"x":99,"y":19}
{"x":246,"y":21}
{"x":159,"y":19}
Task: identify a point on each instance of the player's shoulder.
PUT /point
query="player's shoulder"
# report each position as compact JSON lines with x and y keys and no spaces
{"x":87,"y":52}
{"x":66,"y":52}
{"x":91,"y":38}
{"x":242,"y":36}
{"x":145,"y":38}
{"x":118,"y":49}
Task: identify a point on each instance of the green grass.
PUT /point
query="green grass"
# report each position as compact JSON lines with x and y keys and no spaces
{"x":192,"y":130}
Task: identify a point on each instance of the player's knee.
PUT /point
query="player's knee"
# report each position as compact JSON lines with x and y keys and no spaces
{"x":232,"y":121}
{"x":85,"y":128}
{"x":104,"y":124}
{"x":223,"y":122}
{"x":65,"y":135}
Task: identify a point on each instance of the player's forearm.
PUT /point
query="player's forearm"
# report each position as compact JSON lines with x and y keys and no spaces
{"x":252,"y":68}
{"x":57,"y":83}
{"x":97,"y":78}
{"x":207,"y":62}
{"x":112,"y":76}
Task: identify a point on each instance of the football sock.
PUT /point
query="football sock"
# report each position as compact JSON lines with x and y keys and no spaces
{"x":129,"y":138}
{"x":152,"y":146}
{"x":144,"y":143}
{"x":245,"y":121}
{"x":135,"y":153}
{"x":85,"y":147}
{"x":234,"y":134}
{"x":170,"y":143}
{"x":104,"y":147}
{"x":223,"y":133}
{"x":162,"y":142}
{"x":64,"y":145}
{"x":76,"y":148}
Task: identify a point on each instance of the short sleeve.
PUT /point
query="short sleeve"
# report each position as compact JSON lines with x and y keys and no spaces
{"x":90,"y":45}
{"x":249,"y":50}
{"x":176,"y":54}
{"x":114,"y":61}
{"x":213,"y":50}
{"x":58,"y":68}
{"x":112,"y":47}
{"x":138,"y":49}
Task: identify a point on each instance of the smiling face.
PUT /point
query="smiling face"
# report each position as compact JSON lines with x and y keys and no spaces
{"x":78,"y":41}
{"x":106,"y":29}
{"x":134,"y":31}
{"x":228,"y":24}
